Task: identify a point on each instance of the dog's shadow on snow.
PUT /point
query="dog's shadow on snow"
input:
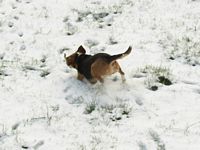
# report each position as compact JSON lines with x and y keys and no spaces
{"x":110,"y":92}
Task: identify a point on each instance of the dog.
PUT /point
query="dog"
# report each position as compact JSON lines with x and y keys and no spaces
{"x":95,"y":68}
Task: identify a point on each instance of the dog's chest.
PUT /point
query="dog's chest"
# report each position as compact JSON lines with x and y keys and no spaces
{"x":84,"y":63}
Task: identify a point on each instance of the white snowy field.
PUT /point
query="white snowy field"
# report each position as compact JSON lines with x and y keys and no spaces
{"x":42,"y":104}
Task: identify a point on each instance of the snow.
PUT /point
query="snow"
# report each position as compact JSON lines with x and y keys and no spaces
{"x":43,"y":105}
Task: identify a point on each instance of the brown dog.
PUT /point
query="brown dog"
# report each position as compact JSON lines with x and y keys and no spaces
{"x":95,"y":68}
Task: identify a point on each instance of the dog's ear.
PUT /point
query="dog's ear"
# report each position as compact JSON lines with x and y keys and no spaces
{"x":81,"y":50}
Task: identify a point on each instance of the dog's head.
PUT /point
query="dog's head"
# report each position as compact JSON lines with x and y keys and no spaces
{"x":71,"y":60}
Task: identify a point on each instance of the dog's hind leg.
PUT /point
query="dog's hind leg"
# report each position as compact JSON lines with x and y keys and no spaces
{"x":122,"y":75}
{"x":116,"y":68}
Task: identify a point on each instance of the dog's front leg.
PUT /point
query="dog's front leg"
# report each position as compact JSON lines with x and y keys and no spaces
{"x":80,"y":76}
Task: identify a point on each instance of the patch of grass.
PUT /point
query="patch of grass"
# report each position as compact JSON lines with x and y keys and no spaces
{"x":156,"y":76}
{"x":29,"y":67}
{"x":43,"y":59}
{"x":3,"y":131}
{"x":91,"y":43}
{"x":10,"y":24}
{"x":66,"y":19}
{"x":90,"y":107}
{"x":95,"y":142}
{"x":184,"y":48}
{"x":112,"y":112}
{"x":96,"y":14}
{"x":117,"y":112}
{"x":82,"y":14}
{"x":38,"y":144}
{"x":97,"y":49}
{"x":112,"y":41}
{"x":36,"y":65}
{"x":99,"y":15}
{"x":32,"y":64}
{"x":156,"y":70}
{"x":156,"y":138}
{"x":74,"y":100}
{"x":15,"y":126}
{"x":2,"y":56}
{"x":24,"y":147}
{"x":164,"y":80}
{"x":44,"y":73}
{"x":3,"y":72}
{"x":62,"y":50}
{"x":154,"y":88}
{"x":70,"y":28}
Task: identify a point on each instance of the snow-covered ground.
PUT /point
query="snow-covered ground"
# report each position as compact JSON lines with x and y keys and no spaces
{"x":42,"y":104}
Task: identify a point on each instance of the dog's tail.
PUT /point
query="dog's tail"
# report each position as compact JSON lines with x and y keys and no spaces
{"x":119,"y":56}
